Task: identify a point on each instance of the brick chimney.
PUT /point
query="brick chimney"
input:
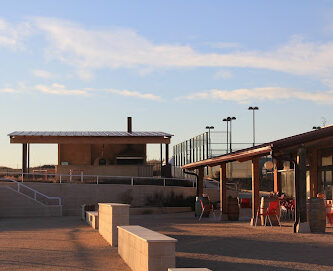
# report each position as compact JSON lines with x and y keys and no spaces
{"x":129,"y":124}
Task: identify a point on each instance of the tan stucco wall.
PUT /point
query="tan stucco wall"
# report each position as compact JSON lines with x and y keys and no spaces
{"x":74,"y":195}
{"x":75,"y":154}
{"x":86,"y":154}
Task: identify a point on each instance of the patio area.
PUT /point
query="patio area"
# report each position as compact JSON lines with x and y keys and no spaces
{"x":66,"y":243}
{"x":239,"y":246}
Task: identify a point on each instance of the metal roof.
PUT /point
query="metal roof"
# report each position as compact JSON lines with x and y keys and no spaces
{"x":90,"y":134}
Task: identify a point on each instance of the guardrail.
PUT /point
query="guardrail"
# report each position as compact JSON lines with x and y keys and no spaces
{"x":97,"y":179}
{"x":101,"y":179}
{"x":36,"y":195}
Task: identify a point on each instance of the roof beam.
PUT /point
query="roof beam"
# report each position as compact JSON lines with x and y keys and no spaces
{"x":89,"y":140}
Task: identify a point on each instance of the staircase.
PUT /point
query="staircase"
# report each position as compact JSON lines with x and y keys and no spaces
{"x":18,"y":200}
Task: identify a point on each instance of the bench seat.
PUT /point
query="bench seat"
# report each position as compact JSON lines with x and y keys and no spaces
{"x":92,"y":219}
{"x":146,"y":250}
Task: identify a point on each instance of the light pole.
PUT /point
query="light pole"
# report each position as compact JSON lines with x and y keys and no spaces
{"x":209,"y":140}
{"x":253,"y":108}
{"x":226,"y":119}
{"x":231,"y":119}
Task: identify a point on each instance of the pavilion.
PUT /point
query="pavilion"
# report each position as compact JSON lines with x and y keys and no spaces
{"x":309,"y":155}
{"x":108,"y":153}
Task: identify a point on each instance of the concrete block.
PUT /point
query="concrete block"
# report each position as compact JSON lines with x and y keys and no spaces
{"x":189,"y":269}
{"x":110,"y":216}
{"x":145,"y":250}
{"x":92,"y":219}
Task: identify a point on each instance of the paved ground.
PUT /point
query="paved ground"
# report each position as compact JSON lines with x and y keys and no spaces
{"x":56,"y":243}
{"x":66,"y":243}
{"x":238,"y":246}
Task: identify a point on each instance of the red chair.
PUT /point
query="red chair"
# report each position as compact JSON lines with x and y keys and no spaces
{"x":245,"y":203}
{"x":206,"y":208}
{"x":330,"y":217}
{"x":272,"y":210}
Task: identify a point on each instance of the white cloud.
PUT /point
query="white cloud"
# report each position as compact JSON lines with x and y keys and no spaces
{"x":58,"y":89}
{"x":223,"y":74}
{"x":259,"y":94}
{"x":136,"y":94}
{"x":9,"y":90}
{"x":42,"y":74}
{"x":12,"y":35}
{"x":91,"y":49}
{"x":85,"y":75}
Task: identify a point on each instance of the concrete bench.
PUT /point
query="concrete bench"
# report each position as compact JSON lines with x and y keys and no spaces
{"x":112,"y":215}
{"x":92,"y":219}
{"x":189,"y":269}
{"x":146,"y":250}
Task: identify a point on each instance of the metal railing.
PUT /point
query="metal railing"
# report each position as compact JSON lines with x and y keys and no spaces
{"x":97,"y":179}
{"x":101,"y":179}
{"x":33,"y":193}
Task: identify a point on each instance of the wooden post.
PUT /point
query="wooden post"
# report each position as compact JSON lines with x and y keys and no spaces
{"x":24,"y":158}
{"x":314,"y":174}
{"x":200,"y":181}
{"x":255,"y":189}
{"x":223,"y":192}
{"x":166,"y":154}
{"x":28,"y":158}
{"x":277,"y":177}
{"x":301,"y":225}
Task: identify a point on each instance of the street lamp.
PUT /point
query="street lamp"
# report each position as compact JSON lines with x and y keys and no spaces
{"x":209,"y":140}
{"x":253,"y":108}
{"x":226,"y":119}
{"x":229,"y":119}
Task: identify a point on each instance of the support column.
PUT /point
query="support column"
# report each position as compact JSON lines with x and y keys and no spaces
{"x":28,"y":157}
{"x":24,"y":158}
{"x":277,"y":177}
{"x":301,"y":225}
{"x":223,"y":192}
{"x":166,"y":154}
{"x":161,"y":155}
{"x":200,"y":181}
{"x":255,"y":189}
{"x":314,"y":174}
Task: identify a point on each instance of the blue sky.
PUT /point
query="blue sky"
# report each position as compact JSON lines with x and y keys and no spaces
{"x":174,"y":66}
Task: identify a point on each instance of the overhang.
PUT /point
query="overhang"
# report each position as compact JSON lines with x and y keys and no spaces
{"x":323,"y":136}
{"x":89,"y":137}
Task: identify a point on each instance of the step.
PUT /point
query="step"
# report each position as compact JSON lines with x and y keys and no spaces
{"x":15,"y":204}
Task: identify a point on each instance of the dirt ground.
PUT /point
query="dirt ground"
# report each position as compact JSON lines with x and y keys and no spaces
{"x":54,"y":243}
{"x":238,"y":246}
{"x":66,"y":243}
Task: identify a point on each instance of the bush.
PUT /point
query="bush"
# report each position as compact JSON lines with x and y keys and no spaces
{"x":170,"y":200}
{"x":126,"y":197}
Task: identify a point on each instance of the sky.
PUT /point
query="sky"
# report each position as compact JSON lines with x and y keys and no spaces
{"x":174,"y":66}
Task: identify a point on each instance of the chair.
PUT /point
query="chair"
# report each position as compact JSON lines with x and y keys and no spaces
{"x":245,"y":203}
{"x":330,"y":217}
{"x":206,"y":208}
{"x":271,"y":210}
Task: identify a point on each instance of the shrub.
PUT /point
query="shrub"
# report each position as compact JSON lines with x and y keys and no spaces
{"x":158,"y":199}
